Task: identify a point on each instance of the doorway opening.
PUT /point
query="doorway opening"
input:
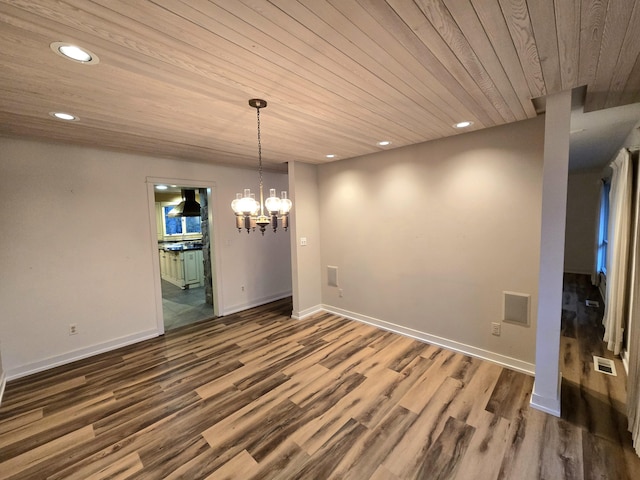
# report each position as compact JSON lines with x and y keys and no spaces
{"x":184,"y":254}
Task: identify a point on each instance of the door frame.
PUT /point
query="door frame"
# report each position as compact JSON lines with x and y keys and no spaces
{"x":216,"y":270}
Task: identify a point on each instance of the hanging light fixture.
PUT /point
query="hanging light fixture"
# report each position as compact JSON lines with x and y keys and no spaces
{"x":250,"y":213}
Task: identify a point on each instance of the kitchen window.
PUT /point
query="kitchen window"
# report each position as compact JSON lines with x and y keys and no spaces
{"x":179,"y":225}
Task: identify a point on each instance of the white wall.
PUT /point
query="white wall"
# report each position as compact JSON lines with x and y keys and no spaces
{"x":305,"y":223}
{"x":583,"y":192}
{"x":428,"y":237}
{"x":77,"y":249}
{"x":3,"y":378}
{"x":633,"y":142}
{"x":633,"y":139}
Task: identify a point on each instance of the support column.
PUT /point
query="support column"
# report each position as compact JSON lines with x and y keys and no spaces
{"x":305,"y":224}
{"x":546,"y":389}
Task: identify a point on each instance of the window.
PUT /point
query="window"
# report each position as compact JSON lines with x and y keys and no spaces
{"x":603,"y":231}
{"x":179,"y":225}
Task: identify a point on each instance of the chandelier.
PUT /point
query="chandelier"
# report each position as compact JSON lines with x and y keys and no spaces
{"x":250,"y":213}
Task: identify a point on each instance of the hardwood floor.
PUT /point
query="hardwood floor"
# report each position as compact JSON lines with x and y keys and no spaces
{"x":257,"y":395}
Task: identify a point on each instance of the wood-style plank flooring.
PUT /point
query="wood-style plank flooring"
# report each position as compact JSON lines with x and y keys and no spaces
{"x":257,"y":395}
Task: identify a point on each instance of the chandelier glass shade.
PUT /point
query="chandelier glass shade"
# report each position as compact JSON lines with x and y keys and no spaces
{"x":251,"y":213}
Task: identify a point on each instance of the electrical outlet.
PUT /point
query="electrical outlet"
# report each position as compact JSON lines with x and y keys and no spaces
{"x":242,"y":288}
{"x":303,"y":241}
{"x":73,"y":329}
{"x":340,"y":292}
{"x":495,"y":329}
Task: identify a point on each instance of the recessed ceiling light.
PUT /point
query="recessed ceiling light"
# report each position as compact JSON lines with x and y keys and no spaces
{"x":75,"y":53}
{"x":64,"y":116}
{"x":463,"y":124}
{"x":331,"y":155}
{"x":161,"y":187}
{"x":384,"y":143}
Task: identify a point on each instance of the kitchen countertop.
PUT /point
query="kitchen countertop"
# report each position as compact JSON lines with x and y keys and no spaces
{"x":180,"y":246}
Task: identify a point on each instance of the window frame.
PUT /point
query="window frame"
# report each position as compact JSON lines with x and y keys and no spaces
{"x":165,"y":208}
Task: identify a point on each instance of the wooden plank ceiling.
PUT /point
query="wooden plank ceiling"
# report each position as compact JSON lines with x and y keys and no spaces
{"x":174,"y":77}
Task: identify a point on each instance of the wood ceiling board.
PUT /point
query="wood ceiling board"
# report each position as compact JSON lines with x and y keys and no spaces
{"x":385,"y":50}
{"x":39,"y":129}
{"x":443,"y":22}
{"x":593,"y":14}
{"x":438,"y":77}
{"x":477,"y":39}
{"x":567,"y":15}
{"x":368,"y":72}
{"x":414,"y":17}
{"x":175,"y":75}
{"x":516,"y":15}
{"x":364,"y":91}
{"x":629,"y":53}
{"x":545,"y":29}
{"x":496,"y":30}
{"x":615,"y":29}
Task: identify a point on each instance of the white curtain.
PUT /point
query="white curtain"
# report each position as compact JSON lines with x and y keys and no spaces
{"x":633,"y":332}
{"x":618,"y":251}
{"x":633,"y":380}
{"x":600,"y":225}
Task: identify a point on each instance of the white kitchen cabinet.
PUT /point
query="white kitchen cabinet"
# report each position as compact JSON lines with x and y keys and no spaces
{"x":191,"y":267}
{"x":182,"y":268}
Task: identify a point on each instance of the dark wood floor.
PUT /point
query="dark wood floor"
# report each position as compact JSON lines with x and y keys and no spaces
{"x":257,"y":395}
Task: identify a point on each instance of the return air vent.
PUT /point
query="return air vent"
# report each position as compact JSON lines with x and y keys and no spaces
{"x":604,"y":365}
{"x":332,"y":276}
{"x":515,"y":308}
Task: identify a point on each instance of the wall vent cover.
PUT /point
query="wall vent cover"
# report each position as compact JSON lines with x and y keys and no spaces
{"x":604,"y":365}
{"x":332,"y":276}
{"x":516,"y":308}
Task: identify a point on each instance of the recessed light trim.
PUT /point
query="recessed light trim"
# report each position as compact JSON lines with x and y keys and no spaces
{"x":161,"y":187}
{"x":330,"y":155}
{"x":67,"y":117}
{"x":464,"y":124}
{"x":75,"y":53}
{"x":384,"y":143}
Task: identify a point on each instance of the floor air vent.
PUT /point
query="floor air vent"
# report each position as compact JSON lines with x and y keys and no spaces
{"x":604,"y":365}
{"x":592,"y":303}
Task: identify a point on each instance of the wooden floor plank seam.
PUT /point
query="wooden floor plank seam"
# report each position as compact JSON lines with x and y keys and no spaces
{"x":257,"y":395}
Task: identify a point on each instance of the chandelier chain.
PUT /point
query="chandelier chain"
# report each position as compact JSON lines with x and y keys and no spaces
{"x":259,"y":148}
{"x":250,"y":213}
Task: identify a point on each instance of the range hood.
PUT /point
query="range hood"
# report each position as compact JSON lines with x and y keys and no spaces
{"x":188,"y":207}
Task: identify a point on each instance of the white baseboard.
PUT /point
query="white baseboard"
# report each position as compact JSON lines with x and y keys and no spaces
{"x":254,"y":303}
{"x":307,"y":312}
{"x":35,"y":367}
{"x":3,"y":383}
{"x":578,"y":271}
{"x":624,"y":355}
{"x":502,"y":360}
{"x":546,"y":404}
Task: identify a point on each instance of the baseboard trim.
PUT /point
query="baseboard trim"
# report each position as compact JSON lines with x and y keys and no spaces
{"x":624,"y":355}
{"x":3,"y":384}
{"x":255,"y":303}
{"x":307,"y":312}
{"x":546,"y":404}
{"x":578,"y":272}
{"x":51,"y":362}
{"x":502,"y":360}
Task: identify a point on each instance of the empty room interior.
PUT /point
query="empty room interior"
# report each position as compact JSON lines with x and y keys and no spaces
{"x":364,"y":239}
